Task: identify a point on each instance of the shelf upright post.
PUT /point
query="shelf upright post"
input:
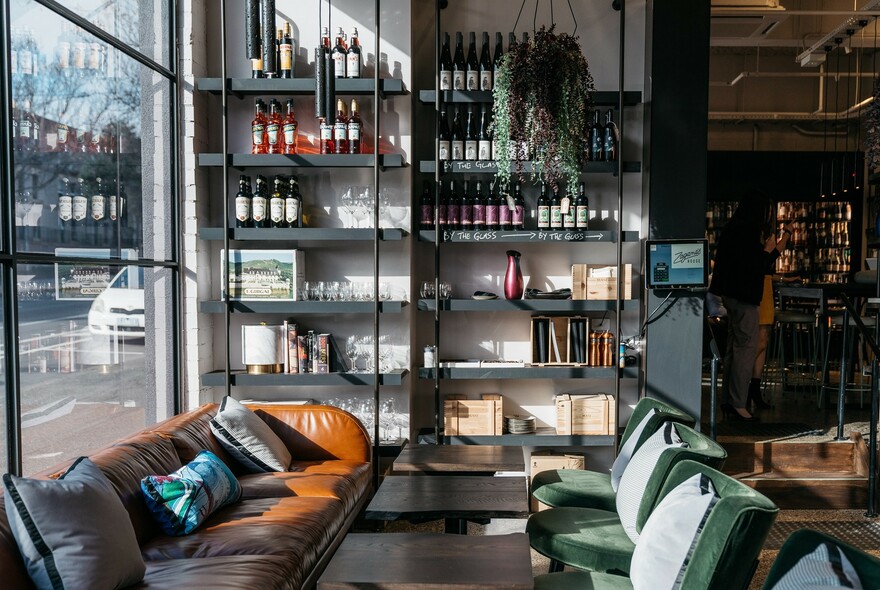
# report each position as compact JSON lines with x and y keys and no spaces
{"x":618,"y":306}
{"x":10,"y":273}
{"x":437,"y":235}
{"x":224,"y":97}
{"x":376,"y":205}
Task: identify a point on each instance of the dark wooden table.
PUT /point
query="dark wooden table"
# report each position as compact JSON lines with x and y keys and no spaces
{"x":460,"y":458}
{"x":430,"y":561}
{"x":451,"y":497}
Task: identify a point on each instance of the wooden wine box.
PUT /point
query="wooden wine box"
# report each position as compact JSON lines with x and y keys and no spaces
{"x":563,"y":350}
{"x":547,"y":461}
{"x":462,"y":416}
{"x":585,"y":414}
{"x":598,"y":282}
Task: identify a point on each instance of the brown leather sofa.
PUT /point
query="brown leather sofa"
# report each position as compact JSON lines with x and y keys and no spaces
{"x":280,"y":535}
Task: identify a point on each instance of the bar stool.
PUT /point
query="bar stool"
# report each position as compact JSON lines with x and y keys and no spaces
{"x":862,"y":357}
{"x":798,"y":328}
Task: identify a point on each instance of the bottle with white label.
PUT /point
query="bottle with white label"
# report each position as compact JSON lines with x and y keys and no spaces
{"x":79,"y":204}
{"x":260,"y":203}
{"x":99,"y":202}
{"x":354,"y":60}
{"x":443,"y":138}
{"x":471,"y":142}
{"x":355,"y":129}
{"x":339,"y":54}
{"x":582,"y":209}
{"x":340,"y":129}
{"x":293,"y":204}
{"x":484,"y":150}
{"x":543,"y":209}
{"x":276,"y":205}
{"x":459,"y":68}
{"x":445,"y":81}
{"x":65,"y":207}
{"x":243,"y":202}
{"x":473,"y":66}
{"x":457,"y":138}
{"x":486,"y":67}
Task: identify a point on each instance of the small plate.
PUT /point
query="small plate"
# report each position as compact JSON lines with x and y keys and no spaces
{"x":484,"y":297}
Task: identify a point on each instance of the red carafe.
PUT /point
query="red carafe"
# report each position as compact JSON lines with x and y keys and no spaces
{"x":513,"y":280}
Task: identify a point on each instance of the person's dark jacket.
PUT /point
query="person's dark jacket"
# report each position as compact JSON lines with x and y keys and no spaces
{"x":740,"y":264}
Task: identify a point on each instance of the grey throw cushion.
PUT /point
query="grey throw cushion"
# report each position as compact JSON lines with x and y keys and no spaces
{"x":637,"y":473}
{"x":627,"y":450}
{"x":668,"y":538}
{"x":248,"y":439}
{"x":73,"y":532}
{"x":826,"y":568}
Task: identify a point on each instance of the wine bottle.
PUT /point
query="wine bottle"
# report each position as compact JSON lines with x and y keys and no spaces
{"x":555,"y":210}
{"x":609,"y":146}
{"x":473,"y":66}
{"x":582,"y":209}
{"x":243,"y":202}
{"x":426,"y":208}
{"x":493,"y":207}
{"x":519,"y":212}
{"x":274,"y":137}
{"x":260,"y":203}
{"x":276,"y":206}
{"x":453,"y":210}
{"x":340,"y":129}
{"x":285,"y":52}
{"x":293,"y":204}
{"x":484,"y":151}
{"x":354,"y":58}
{"x":339,"y":55}
{"x":65,"y":208}
{"x":466,"y":209}
{"x":355,"y":129}
{"x":471,"y":142}
{"x":568,"y":209}
{"x":506,"y":207}
{"x":258,"y":129}
{"x":326,"y":130}
{"x":543,"y":209}
{"x":499,"y":53}
{"x":443,"y":137}
{"x":457,"y":138}
{"x":479,"y":208}
{"x":98,"y":202}
{"x":486,"y":67}
{"x":459,"y":69}
{"x":442,"y":206}
{"x":597,"y":138}
{"x":289,"y":128}
{"x":79,"y":204}
{"x":445,"y":81}
{"x":25,"y":128}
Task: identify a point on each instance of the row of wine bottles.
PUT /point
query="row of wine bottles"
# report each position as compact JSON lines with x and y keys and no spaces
{"x":77,"y":55}
{"x":256,"y":207}
{"x":273,"y":134}
{"x":458,"y":209}
{"x":827,"y":260}
{"x":89,"y":201}
{"x":476,"y":141}
{"x":31,"y":133}
{"x":458,"y":73}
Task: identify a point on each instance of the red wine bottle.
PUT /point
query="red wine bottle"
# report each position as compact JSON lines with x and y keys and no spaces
{"x":445,"y":82}
{"x":499,"y":53}
{"x":519,"y":212}
{"x":543,"y":208}
{"x":493,"y":207}
{"x":443,"y":137}
{"x":506,"y":207}
{"x":486,"y":67}
{"x":597,"y":139}
{"x":582,"y":209}
{"x":484,"y":145}
{"x":472,"y":70}
{"x":471,"y":141}
{"x":609,"y":146}
{"x":466,"y":209}
{"x":556,"y":210}
{"x":457,"y":138}
{"x":479,"y":204}
{"x":442,"y":206}
{"x":426,"y":207}
{"x":453,"y":207}
{"x":459,"y":68}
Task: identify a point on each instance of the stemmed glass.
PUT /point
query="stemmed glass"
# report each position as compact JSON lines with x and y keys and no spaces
{"x":348,"y":202}
{"x":352,"y":349}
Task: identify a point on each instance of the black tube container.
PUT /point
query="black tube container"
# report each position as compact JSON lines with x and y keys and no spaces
{"x":268,"y":23}
{"x":252,"y":29}
{"x":320,"y":83}
{"x":329,"y":87}
{"x":542,"y":348}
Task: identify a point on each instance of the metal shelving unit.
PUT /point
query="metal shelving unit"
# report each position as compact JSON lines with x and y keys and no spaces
{"x":300,"y":234}
{"x":241,"y":379}
{"x":302,"y":160}
{"x":470,"y":237}
{"x":241,"y":87}
{"x":529,"y":372}
{"x":302,"y":307}
{"x":542,"y":305}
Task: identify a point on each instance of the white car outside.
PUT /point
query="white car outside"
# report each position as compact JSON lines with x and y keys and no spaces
{"x":119,"y":309}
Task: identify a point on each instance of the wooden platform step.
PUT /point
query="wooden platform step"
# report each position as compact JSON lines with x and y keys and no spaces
{"x":816,"y":491}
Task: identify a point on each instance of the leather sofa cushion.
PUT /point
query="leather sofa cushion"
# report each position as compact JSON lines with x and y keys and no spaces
{"x":298,"y":529}
{"x":317,"y":433}
{"x":347,"y":486}
{"x":263,"y":572}
{"x":11,"y":563}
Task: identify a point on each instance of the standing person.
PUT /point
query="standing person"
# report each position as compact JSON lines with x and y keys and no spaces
{"x":744,"y":253}
{"x":765,"y":324}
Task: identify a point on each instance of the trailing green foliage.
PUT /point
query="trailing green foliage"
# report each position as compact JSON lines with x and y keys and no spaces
{"x":872,"y":130}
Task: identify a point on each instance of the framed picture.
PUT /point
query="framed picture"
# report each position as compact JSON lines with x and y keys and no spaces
{"x":86,"y":281}
{"x":258,"y":275}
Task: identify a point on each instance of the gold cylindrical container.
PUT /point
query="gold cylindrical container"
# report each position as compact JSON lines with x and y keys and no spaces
{"x":264,"y":369}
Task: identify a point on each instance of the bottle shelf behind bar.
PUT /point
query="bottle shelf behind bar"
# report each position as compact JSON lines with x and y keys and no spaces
{"x":501,"y":304}
{"x":302,"y":160}
{"x":243,"y":379}
{"x":302,"y":307}
{"x":300,"y":86}
{"x":490,"y":167}
{"x":529,"y":372}
{"x":600,"y":98}
{"x":554,"y":236}
{"x":302,"y":234}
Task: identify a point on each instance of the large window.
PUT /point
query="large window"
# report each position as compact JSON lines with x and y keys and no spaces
{"x":91,"y":136}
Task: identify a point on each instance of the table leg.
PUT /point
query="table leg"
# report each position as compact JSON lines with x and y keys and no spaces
{"x":456,"y":526}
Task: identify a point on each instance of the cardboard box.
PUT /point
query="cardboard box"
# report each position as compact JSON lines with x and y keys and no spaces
{"x":550,"y":461}
{"x":585,"y":414}
{"x":599,"y":282}
{"x":259,"y":275}
{"x":473,"y":416}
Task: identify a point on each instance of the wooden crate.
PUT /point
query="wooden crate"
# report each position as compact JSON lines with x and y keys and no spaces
{"x":560,"y":333}
{"x":586,"y":286}
{"x":473,"y":416}
{"x":551,"y":460}
{"x":585,"y":414}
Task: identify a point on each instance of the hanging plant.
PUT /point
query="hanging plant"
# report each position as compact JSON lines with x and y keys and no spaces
{"x":872,"y":130}
{"x":543,"y":102}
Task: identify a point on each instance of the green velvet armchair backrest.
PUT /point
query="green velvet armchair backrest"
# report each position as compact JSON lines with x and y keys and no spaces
{"x":665,"y":413}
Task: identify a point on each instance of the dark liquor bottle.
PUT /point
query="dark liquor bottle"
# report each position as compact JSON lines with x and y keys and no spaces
{"x":442,"y":206}
{"x":506,"y":207}
{"x":499,"y":53}
{"x":519,"y":212}
{"x":479,"y":204}
{"x":62,"y":137}
{"x":543,"y":209}
{"x":471,"y":141}
{"x":285,"y":52}
{"x":445,"y":81}
{"x":293,"y":204}
{"x":484,"y":147}
{"x":473,"y":66}
{"x":582,"y":209}
{"x":426,"y":208}
{"x":25,"y":127}
{"x":276,"y":48}
{"x":98,"y":202}
{"x":65,"y":208}
{"x":466,"y":209}
{"x":457,"y":138}
{"x":258,"y":130}
{"x":354,"y":58}
{"x":340,"y":129}
{"x":459,"y":68}
{"x":597,"y":139}
{"x":443,"y":137}
{"x":326,"y":131}
{"x":610,"y":141}
{"x":339,"y":54}
{"x":289,"y":128}
{"x":555,"y":210}
{"x":274,"y":137}
{"x":493,"y":207}
{"x":243,"y":202}
{"x":260,"y":203}
{"x":80,"y":204}
{"x":453,"y":209}
{"x":568,"y":209}
{"x":487,"y":70}
{"x":276,"y":206}
{"x":355,"y":129}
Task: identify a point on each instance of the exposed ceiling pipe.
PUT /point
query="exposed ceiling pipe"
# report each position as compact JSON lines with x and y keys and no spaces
{"x":852,"y":23}
{"x":809,"y":133}
{"x":743,"y":75}
{"x":853,"y":112}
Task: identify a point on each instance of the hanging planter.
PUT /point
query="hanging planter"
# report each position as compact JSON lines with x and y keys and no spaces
{"x":872,"y":130}
{"x":543,"y":104}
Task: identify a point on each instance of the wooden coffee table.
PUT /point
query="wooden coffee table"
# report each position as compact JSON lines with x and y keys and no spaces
{"x":454,"y":498}
{"x":430,"y":561}
{"x":460,"y":458}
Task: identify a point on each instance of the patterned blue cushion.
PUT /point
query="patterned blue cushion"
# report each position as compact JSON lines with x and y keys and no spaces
{"x":182,"y":501}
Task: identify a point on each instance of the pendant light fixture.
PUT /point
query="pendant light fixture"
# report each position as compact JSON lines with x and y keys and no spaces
{"x":822,"y":192}
{"x":837,"y":42}
{"x":843,"y":174}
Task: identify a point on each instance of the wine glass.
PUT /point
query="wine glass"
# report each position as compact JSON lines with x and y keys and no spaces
{"x":352,"y":349}
{"x":427,"y":289}
{"x":348,"y":203}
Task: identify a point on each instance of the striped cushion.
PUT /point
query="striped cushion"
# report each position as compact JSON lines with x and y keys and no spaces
{"x":668,"y":538}
{"x":826,"y":568}
{"x":638,"y":472}
{"x":248,"y":439}
{"x":627,"y":450}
